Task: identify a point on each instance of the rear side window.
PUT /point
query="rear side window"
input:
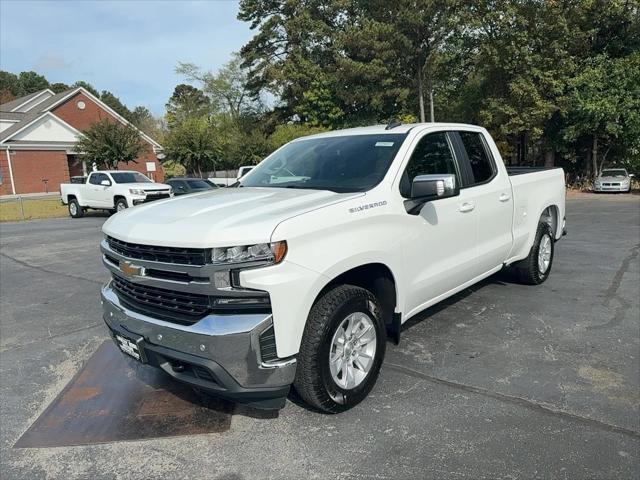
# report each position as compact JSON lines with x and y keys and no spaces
{"x":479,"y":159}
{"x":431,"y":156}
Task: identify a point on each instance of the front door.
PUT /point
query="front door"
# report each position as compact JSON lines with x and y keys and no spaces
{"x":440,"y":244}
{"x":96,"y":191}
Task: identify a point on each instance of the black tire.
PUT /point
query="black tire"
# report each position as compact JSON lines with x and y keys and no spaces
{"x":528,"y":269}
{"x":121,"y":204}
{"x":75,"y":210}
{"x":313,"y":381}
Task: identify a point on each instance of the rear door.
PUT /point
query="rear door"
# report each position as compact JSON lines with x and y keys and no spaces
{"x":489,"y":190}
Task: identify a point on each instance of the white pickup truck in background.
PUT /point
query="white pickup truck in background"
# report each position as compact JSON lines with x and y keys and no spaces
{"x":229,"y":181}
{"x":298,"y":276}
{"x":112,"y":190}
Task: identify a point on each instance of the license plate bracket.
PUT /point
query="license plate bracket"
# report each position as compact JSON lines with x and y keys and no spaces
{"x":131,"y":346}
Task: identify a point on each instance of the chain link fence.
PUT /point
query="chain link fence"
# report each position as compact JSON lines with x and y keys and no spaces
{"x":29,"y":207}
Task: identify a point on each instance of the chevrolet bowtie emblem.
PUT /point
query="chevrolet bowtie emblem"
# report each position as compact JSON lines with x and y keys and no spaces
{"x":129,"y":270}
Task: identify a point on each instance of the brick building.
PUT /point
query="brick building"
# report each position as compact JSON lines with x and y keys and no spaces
{"x":38,"y":134}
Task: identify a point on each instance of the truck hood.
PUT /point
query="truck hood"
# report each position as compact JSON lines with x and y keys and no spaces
{"x":613,"y":179}
{"x":217,"y":218}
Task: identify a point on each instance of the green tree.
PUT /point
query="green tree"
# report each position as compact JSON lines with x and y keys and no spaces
{"x":290,"y":131}
{"x":185,"y":102}
{"x":87,"y":86}
{"x":226,"y":89}
{"x":109,"y":142}
{"x":171,"y":169}
{"x":115,"y":103}
{"x":144,"y":120}
{"x":31,"y":82}
{"x":59,"y":87}
{"x":604,"y":101}
{"x":9,"y":86}
{"x":192,"y":143}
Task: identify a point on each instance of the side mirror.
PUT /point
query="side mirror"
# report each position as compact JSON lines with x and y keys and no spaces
{"x":631,"y":175}
{"x":426,"y":188}
{"x":105,"y":183}
{"x":433,"y":187}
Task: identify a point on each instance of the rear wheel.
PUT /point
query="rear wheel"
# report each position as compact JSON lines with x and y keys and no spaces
{"x":75,"y":210}
{"x":535,"y":269}
{"x":121,"y":204}
{"x":342,"y":349}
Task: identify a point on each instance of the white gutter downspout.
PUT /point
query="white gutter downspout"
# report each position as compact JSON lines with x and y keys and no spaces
{"x":13,"y":185}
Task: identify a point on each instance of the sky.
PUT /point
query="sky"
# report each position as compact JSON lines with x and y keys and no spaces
{"x":129,"y":47}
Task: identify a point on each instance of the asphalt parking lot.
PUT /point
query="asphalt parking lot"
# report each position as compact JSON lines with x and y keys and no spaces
{"x":501,"y":381}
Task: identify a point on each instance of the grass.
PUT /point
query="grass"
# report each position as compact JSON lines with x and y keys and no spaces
{"x":33,"y":208}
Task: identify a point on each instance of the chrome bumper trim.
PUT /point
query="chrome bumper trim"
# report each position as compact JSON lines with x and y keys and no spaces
{"x":232,"y":341}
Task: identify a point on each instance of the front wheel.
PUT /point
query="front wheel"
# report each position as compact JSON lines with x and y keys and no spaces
{"x":342,"y":349}
{"x":121,"y":204}
{"x":535,"y":269}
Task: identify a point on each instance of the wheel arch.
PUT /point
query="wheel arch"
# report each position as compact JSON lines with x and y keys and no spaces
{"x":550,"y":215}
{"x":118,"y":197}
{"x":375,"y":277}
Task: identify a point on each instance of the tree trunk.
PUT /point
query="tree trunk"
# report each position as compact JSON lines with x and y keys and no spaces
{"x":420,"y":92}
{"x":432,"y":116}
{"x":594,"y":156}
{"x":549,"y":158}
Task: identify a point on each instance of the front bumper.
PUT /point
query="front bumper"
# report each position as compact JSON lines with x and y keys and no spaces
{"x":219,"y":354}
{"x":139,"y":199}
{"x":610,"y":188}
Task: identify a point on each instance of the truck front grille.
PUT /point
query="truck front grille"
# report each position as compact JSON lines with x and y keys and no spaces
{"x":180,"y":307}
{"x":180,"y":256}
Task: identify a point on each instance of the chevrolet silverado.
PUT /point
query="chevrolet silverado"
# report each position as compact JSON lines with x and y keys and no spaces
{"x":300,"y":274}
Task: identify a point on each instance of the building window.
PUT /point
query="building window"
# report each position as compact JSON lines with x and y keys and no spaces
{"x":81,"y":105}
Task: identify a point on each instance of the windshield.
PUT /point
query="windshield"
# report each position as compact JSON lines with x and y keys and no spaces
{"x":352,"y":163}
{"x":129,"y":177}
{"x":200,"y":184}
{"x":613,"y":173}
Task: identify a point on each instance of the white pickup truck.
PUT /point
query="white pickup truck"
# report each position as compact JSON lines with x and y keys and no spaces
{"x":112,"y":190}
{"x":300,"y":275}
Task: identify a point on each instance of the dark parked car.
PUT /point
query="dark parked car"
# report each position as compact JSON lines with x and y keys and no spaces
{"x":182,"y":186}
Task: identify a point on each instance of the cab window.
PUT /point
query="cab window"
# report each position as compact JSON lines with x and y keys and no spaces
{"x":431,"y":156}
{"x":97,"y":178}
{"x":479,"y":158}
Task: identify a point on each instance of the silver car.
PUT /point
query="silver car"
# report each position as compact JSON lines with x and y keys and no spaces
{"x":613,"y":180}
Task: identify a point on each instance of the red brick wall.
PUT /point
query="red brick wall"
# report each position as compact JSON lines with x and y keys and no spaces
{"x":5,"y":186}
{"x":80,"y":119}
{"x":30,"y":167}
{"x":92,"y":113}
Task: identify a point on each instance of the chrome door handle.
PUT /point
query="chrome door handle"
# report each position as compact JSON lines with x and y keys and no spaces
{"x":466,"y":207}
{"x":504,"y":197}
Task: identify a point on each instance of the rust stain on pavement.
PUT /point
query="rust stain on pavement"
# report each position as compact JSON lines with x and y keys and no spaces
{"x":112,"y":400}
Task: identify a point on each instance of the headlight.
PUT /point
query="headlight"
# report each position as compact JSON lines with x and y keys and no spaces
{"x":261,"y":252}
{"x":136,"y":191}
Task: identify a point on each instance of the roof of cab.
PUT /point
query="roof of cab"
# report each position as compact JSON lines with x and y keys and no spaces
{"x":382,"y":129}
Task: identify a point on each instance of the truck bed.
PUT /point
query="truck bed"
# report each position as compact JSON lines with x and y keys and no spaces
{"x":516,"y":170}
